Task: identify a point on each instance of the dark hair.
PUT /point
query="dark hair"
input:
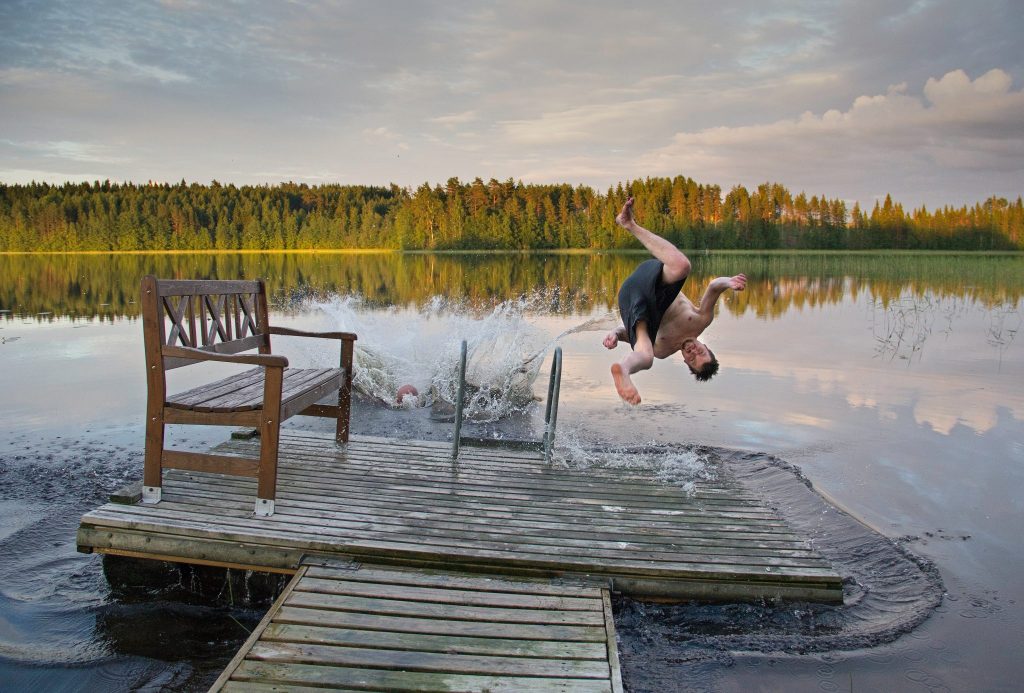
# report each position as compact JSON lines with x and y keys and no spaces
{"x":707,"y":372}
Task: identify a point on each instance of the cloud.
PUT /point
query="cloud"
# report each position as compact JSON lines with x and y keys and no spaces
{"x":593,"y":122}
{"x":595,"y":92}
{"x":958,"y":125}
{"x":456,"y":118}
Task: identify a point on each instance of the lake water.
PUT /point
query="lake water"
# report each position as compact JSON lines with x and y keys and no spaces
{"x":893,"y":383}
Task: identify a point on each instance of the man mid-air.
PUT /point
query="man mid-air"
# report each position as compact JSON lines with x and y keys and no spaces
{"x":657,"y":319}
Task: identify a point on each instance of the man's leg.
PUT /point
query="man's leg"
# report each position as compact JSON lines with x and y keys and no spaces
{"x":677,"y":265}
{"x":640,"y":359}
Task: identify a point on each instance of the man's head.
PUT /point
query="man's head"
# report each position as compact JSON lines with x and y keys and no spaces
{"x":700,"y":359}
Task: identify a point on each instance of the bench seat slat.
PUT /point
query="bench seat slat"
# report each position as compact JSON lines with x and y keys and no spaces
{"x":196,"y":396}
{"x":244,"y":391}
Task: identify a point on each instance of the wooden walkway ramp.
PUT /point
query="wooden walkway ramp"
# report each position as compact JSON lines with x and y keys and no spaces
{"x":370,"y":629}
{"x":494,"y":511}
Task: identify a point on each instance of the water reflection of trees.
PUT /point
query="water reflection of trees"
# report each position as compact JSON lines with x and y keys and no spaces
{"x":901,"y":326}
{"x":106,"y":287}
{"x":1004,"y":324}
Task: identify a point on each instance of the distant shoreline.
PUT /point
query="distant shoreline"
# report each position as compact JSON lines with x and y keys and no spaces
{"x":506,"y":251}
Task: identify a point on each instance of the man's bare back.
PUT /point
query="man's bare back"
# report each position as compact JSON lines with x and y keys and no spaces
{"x":678,"y":327}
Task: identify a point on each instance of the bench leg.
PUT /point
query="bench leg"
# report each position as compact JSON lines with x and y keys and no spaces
{"x":341,"y":430}
{"x":270,"y":434}
{"x":344,"y":409}
{"x":153,"y":466}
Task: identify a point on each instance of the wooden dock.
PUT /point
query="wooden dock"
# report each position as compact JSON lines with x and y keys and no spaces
{"x":492,"y":511}
{"x":350,"y":627}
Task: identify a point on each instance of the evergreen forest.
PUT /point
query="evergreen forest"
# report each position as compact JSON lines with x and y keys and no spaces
{"x":492,"y":215}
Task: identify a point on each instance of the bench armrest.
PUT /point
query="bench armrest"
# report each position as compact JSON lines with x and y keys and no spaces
{"x":271,"y":360}
{"x":288,"y":332}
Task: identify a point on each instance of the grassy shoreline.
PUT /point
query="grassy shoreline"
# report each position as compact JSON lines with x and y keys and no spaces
{"x":556,"y":251}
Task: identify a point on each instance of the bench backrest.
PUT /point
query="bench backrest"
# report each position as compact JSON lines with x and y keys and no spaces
{"x":223,"y":316}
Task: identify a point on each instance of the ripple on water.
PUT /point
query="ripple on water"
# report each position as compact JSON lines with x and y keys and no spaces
{"x":887,"y":592}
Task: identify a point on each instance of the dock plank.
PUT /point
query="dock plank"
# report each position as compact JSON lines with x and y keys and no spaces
{"x":493,"y":510}
{"x":512,"y":553}
{"x":421,"y":646}
{"x":508,"y":647}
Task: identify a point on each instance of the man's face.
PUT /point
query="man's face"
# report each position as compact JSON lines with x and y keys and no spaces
{"x":695,"y":354}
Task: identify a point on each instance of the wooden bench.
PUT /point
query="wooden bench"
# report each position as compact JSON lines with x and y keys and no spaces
{"x":186,"y":322}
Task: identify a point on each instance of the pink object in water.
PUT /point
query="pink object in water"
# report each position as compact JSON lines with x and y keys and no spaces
{"x":406,"y":390}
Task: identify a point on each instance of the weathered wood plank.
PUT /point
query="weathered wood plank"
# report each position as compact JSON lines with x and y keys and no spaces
{"x":426,"y":626}
{"x":210,"y":525}
{"x":639,"y":478}
{"x":354,"y":526}
{"x":199,"y":287}
{"x":461,"y":612}
{"x":440,"y":461}
{"x":127,"y":495}
{"x":257,"y":687}
{"x":295,"y":402}
{"x":358,"y":499}
{"x":201,"y":462}
{"x":206,"y":490}
{"x":197,"y":395}
{"x":412,"y":661}
{"x":250,"y":396}
{"x":235,"y":346}
{"x":407,"y":485}
{"x":425,"y":645}
{"x":405,"y":503}
{"x":300,"y":512}
{"x":615,"y":671}
{"x":497,"y":644}
{"x":213,"y":521}
{"x":366,"y":494}
{"x":411,"y":682}
{"x":355,"y":456}
{"x":446,"y":579}
{"x":508,"y":481}
{"x":245,"y":390}
{"x":447,"y":595}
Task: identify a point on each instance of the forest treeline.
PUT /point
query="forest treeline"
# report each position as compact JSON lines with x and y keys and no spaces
{"x":502,"y":215}
{"x":48,"y":287}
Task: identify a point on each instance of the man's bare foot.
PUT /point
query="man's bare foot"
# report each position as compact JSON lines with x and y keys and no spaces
{"x":624,"y":386}
{"x":625,"y":218}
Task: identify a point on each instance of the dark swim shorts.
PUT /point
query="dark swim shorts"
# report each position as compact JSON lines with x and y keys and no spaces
{"x":644,"y":296}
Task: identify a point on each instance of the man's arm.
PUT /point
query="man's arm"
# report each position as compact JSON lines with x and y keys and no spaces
{"x":611,"y":340}
{"x":716,"y":288}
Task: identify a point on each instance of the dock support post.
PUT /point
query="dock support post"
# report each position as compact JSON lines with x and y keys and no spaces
{"x":458,"y":401}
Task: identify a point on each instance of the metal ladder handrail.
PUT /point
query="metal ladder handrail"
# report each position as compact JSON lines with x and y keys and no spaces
{"x":457,"y":438}
{"x":550,"y":410}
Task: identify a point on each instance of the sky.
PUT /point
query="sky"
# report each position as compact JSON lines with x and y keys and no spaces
{"x":850,"y":99}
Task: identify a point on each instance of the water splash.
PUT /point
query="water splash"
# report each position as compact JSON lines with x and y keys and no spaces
{"x":421,"y":347}
{"x":680,"y":466}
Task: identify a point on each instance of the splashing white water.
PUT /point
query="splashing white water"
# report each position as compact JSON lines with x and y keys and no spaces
{"x":681,"y":467}
{"x":421,"y":347}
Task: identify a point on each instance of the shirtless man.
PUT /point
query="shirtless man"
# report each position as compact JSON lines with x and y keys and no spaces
{"x":658,"y":320}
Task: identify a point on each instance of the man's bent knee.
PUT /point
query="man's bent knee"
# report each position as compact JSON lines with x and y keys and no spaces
{"x":640,"y":359}
{"x":676,"y":268}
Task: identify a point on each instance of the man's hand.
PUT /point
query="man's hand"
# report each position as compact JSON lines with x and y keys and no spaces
{"x":611,"y":340}
{"x":716,"y":288}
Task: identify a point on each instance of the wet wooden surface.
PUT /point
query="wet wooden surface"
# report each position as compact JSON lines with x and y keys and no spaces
{"x":494,"y":510}
{"x":358,"y":627}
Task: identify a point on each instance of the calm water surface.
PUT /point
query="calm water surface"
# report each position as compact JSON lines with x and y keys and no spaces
{"x":894,"y":383}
